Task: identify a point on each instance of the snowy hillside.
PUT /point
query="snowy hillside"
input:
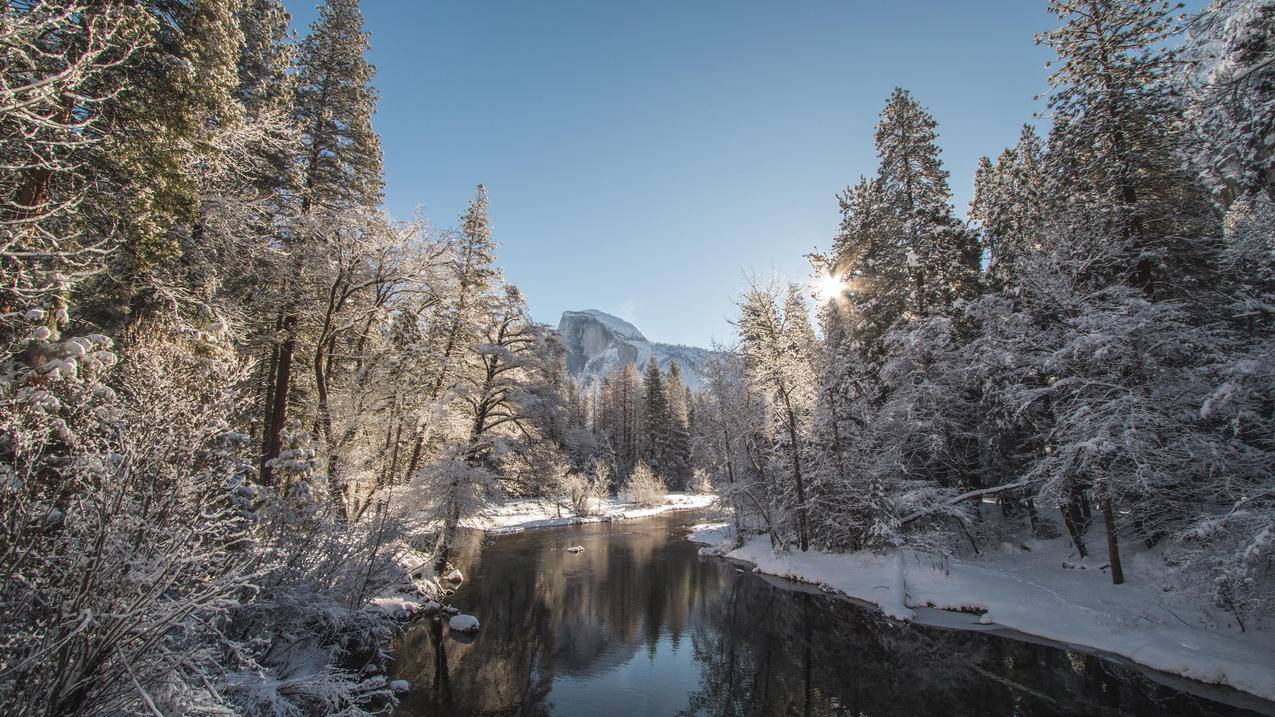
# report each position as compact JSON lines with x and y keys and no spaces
{"x":598,"y":342}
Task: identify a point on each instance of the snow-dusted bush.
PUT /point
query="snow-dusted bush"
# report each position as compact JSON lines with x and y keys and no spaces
{"x":584,"y":491}
{"x":643,"y":487}
{"x":127,"y":521}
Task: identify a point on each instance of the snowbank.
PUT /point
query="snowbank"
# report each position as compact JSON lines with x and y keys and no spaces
{"x":710,"y":533}
{"x":1033,"y":593}
{"x":518,"y":515}
{"x":463,"y":623}
{"x":399,"y":607}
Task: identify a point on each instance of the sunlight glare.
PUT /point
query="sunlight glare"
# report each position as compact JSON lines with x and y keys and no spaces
{"x":829,"y":287}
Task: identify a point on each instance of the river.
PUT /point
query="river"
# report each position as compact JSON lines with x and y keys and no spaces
{"x":639,"y":624}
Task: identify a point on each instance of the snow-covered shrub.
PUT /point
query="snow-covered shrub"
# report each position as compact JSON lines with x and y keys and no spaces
{"x":701,"y":482}
{"x":125,"y":514}
{"x":643,"y":487}
{"x":583,"y":491}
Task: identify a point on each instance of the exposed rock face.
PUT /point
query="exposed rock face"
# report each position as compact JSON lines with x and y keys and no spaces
{"x":598,"y":342}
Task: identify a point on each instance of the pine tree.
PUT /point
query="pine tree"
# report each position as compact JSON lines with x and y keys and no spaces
{"x":941,"y":256}
{"x":1010,"y":201}
{"x":456,"y":324}
{"x":655,"y":419}
{"x":1117,"y":137}
{"x":869,"y":257}
{"x":266,"y":57}
{"x":335,"y":102}
{"x":340,"y":168}
{"x":1230,"y":85}
{"x":678,"y":465}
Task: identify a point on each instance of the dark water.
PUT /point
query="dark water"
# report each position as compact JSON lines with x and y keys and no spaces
{"x":638,"y":624}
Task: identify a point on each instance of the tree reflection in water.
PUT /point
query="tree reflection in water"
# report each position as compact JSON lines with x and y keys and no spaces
{"x":639,"y":624}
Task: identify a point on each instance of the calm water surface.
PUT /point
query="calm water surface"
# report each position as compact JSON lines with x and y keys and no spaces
{"x":638,"y":624}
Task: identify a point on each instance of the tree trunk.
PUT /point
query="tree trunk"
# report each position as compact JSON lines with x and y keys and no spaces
{"x":803,"y":536}
{"x":1113,"y":545}
{"x":1073,"y":518}
{"x":279,"y":411}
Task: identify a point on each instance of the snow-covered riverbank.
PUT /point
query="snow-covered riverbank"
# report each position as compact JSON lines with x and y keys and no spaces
{"x":519,"y":515}
{"x":1031,"y":591}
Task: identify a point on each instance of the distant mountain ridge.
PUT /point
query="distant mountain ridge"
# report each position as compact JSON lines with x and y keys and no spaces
{"x":598,"y":343}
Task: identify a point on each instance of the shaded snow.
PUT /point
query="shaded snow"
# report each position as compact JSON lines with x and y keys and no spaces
{"x":518,"y":515}
{"x":1033,"y":593}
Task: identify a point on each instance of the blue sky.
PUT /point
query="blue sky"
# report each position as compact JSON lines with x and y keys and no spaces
{"x":641,"y":157}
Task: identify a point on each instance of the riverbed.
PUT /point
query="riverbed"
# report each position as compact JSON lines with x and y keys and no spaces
{"x":638,"y":624}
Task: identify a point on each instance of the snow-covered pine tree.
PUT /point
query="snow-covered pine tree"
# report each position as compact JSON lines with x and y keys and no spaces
{"x":1229,"y":80}
{"x":1010,"y":199}
{"x":340,"y":167}
{"x":1117,"y":139}
{"x":335,"y":101}
{"x":940,"y":254}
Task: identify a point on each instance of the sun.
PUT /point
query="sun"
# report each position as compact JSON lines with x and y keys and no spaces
{"x":829,"y":287}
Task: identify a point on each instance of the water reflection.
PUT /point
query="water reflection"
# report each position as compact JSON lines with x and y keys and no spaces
{"x":637,"y":624}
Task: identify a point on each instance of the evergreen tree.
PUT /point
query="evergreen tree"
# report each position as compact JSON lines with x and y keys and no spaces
{"x":335,"y":102}
{"x":340,"y":169}
{"x":678,"y":466}
{"x":869,"y":257}
{"x":1230,"y":84}
{"x":456,"y":323}
{"x":266,"y":57}
{"x":1010,"y":201}
{"x":655,"y":419}
{"x":941,"y":256}
{"x":1117,"y":136}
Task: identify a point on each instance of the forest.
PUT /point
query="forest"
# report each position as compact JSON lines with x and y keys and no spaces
{"x":239,"y":401}
{"x":1096,"y":339}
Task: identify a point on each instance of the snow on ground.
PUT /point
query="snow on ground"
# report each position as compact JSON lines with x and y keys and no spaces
{"x":518,"y":515}
{"x":1033,"y":593}
{"x":713,"y":535}
{"x":399,"y":607}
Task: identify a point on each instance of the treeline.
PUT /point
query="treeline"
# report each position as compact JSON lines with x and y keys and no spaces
{"x":1094,"y":350}
{"x":643,"y":419}
{"x":237,"y":399}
